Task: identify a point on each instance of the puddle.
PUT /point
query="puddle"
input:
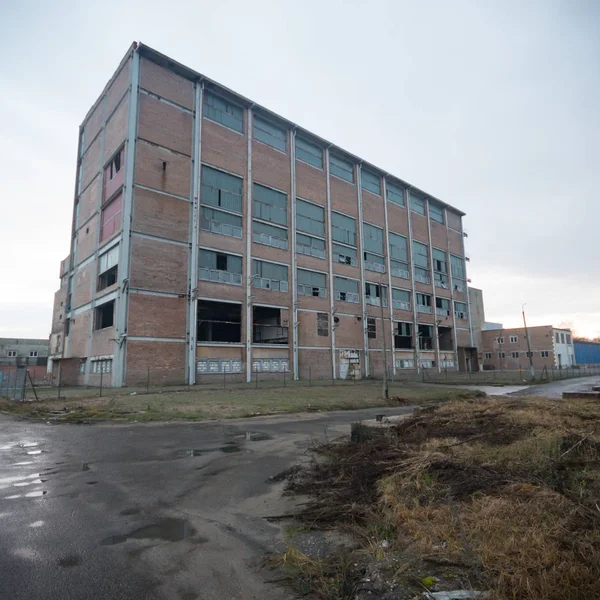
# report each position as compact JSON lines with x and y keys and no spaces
{"x":69,"y":561}
{"x":257,"y":436}
{"x":184,"y":453}
{"x":130,"y":511}
{"x":29,"y":445}
{"x":169,"y":530}
{"x":22,"y":464}
{"x":34,"y":452}
{"x":35,"y":494}
{"x":230,"y":448}
{"x":36,"y":524}
{"x":91,"y":482}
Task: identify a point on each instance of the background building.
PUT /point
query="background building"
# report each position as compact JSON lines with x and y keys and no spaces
{"x":587,"y":352}
{"x":20,"y":352}
{"x":211,"y":235}
{"x":507,"y":348}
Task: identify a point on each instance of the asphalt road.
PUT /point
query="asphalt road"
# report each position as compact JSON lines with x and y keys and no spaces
{"x":163,"y":511}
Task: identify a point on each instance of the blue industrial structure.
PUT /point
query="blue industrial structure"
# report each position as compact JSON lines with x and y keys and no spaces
{"x":587,"y":353}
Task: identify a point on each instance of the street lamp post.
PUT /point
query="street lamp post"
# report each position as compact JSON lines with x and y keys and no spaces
{"x":529,"y":354}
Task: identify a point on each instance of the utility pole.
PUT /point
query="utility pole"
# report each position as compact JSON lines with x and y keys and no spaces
{"x":386,"y":394}
{"x":529,"y":354}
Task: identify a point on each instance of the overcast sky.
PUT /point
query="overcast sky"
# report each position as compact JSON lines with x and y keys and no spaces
{"x":493,"y":107}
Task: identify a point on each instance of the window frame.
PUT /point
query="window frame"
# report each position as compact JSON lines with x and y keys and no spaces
{"x":432,"y":214}
{"x":419,"y":201}
{"x":367,"y":181}
{"x":390,"y":185}
{"x":262,"y":121}
{"x":338,"y":163}
{"x":302,"y":140}
{"x":211,"y":94}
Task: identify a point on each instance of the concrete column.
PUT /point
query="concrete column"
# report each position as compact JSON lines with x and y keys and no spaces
{"x":249,"y":251}
{"x":293,"y":260}
{"x":330,"y":264}
{"x":192,"y":318}
{"x":389,"y":272}
{"x":120,"y":355}
{"x":412,"y":280}
{"x":436,"y":340}
{"x":362,"y":271}
{"x":454,"y":333}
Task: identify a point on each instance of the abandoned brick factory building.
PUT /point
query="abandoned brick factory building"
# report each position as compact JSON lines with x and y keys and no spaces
{"x":211,"y":235}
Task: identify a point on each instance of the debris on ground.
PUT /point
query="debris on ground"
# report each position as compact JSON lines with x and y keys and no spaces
{"x":498,"y":495}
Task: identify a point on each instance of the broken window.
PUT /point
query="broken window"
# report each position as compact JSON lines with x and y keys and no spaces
{"x":107,"y":268}
{"x":373,"y":262}
{"x":115,"y":165}
{"x":375,"y":294}
{"x":220,"y":222}
{"x":425,"y":334}
{"x":436,"y":212}
{"x":310,"y":218}
{"x":311,"y":283}
{"x":269,"y":235}
{"x":221,"y":190}
{"x":323,"y":324}
{"x":457,"y":268}
{"x":460,"y":312}
{"x":110,"y":221}
{"x":371,"y":328}
{"x":445,"y":339}
{"x":269,"y":276}
{"x":311,"y":246}
{"x":373,"y":238}
{"x":268,"y":326}
{"x":440,"y":269}
{"x":269,"y":204}
{"x":424,"y":303}
{"x":346,"y":289}
{"x":401,"y":299}
{"x":403,"y":339}
{"x":104,"y":315}
{"x":220,"y":267}
{"x":343,"y":229}
{"x":345,"y":255}
{"x":417,"y":203}
{"x":442,"y":307}
{"x":219,"y":322}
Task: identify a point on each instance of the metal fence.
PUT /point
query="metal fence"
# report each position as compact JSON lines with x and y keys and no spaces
{"x":13,"y":383}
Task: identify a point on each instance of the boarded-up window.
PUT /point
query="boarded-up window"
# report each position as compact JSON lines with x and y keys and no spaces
{"x":323,"y":324}
{"x":111,"y":218}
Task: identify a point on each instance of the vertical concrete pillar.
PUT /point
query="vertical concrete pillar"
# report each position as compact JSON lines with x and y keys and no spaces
{"x":412,"y":281}
{"x":249,"y":251}
{"x":120,"y":354}
{"x":330,"y":266}
{"x":389,"y":272}
{"x":362,"y":271}
{"x":192,"y":296}
{"x":436,"y":340}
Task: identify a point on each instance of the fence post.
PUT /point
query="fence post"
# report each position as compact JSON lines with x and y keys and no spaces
{"x":59,"y":378}
{"x":148,"y":381}
{"x":224,"y":374}
{"x":284,"y":377}
{"x":101,"y":377}
{"x":310,"y":375}
{"x":256,"y":378}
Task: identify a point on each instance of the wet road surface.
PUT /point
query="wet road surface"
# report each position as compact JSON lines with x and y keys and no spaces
{"x":159,"y":511}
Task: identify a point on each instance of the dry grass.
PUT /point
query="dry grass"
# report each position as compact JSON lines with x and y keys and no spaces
{"x":506,"y":489}
{"x":200,"y":404}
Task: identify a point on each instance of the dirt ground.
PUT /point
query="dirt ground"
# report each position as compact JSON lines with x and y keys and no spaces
{"x":169,"y":404}
{"x":497,"y":495}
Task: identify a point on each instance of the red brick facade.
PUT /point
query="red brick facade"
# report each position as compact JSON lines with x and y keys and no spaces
{"x":151,"y":109}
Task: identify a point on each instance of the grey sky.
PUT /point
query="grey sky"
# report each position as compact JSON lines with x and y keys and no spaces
{"x":493,"y":107}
